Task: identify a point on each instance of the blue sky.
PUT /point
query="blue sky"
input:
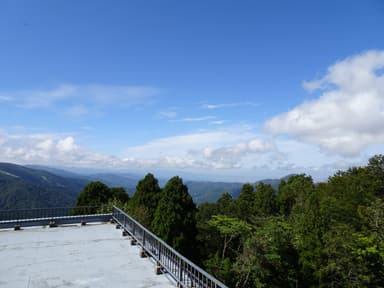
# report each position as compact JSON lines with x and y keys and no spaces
{"x":221,"y":90}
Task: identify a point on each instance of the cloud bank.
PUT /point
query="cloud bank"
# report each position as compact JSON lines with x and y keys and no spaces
{"x":347,"y":117}
{"x":205,"y":150}
{"x":221,"y":149}
{"x":50,"y":149}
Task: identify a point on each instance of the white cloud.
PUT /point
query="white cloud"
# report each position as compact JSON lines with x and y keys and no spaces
{"x":217,"y":122}
{"x":347,"y":118}
{"x":53,"y":149}
{"x":214,"y":149}
{"x":228,"y":105}
{"x":66,"y":145}
{"x":247,"y":155}
{"x":120,"y":95}
{"x":202,"y":150}
{"x":181,"y":143}
{"x":232,"y":156}
{"x":168,"y":114}
{"x":195,"y":119}
{"x":80,"y":95}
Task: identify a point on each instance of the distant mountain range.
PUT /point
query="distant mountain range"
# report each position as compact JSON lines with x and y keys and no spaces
{"x":23,"y":187}
{"x":39,"y":186}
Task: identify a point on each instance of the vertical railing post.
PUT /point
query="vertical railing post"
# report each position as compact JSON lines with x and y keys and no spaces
{"x":180,"y":273}
{"x":143,"y":238}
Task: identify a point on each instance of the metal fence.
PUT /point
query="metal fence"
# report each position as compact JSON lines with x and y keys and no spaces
{"x":183,"y":271}
{"x":44,"y":216}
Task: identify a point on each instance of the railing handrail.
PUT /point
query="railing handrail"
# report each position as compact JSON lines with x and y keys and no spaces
{"x":51,"y":216}
{"x":47,"y":208}
{"x":41,"y":213}
{"x":163,"y":243}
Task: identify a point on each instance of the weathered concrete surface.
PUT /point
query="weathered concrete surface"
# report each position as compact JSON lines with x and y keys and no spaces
{"x":74,"y":256}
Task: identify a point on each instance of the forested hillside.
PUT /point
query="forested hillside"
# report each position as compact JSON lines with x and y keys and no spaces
{"x":303,"y":234}
{"x":206,"y":191}
{"x":22,"y":187}
{"x":33,"y":181}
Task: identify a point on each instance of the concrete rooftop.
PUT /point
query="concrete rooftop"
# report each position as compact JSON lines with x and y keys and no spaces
{"x":95,"y":255}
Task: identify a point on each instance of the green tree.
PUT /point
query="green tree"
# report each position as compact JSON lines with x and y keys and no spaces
{"x":107,"y":207}
{"x":174,"y":219}
{"x":373,"y":218}
{"x":230,"y":228}
{"x":222,"y":269}
{"x":233,"y":232}
{"x":98,"y":194}
{"x":94,"y":194}
{"x":329,"y":234}
{"x":268,"y":258}
{"x":294,"y":192}
{"x":245,"y":201}
{"x":332,"y":225}
{"x":226,"y":205}
{"x":309,"y":223}
{"x":145,"y":200}
{"x":376,"y":170}
{"x":120,"y":194}
{"x":265,"y":200}
{"x":207,"y":236}
{"x":351,"y":259}
{"x":349,"y":190}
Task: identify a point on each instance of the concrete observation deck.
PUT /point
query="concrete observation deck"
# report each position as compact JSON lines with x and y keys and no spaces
{"x":94,"y":255}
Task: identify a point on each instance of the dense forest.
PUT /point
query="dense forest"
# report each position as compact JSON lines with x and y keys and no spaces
{"x":305,"y":234}
{"x":24,"y":188}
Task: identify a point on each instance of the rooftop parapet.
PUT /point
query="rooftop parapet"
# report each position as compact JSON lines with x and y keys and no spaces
{"x":50,"y":216}
{"x":168,"y":261}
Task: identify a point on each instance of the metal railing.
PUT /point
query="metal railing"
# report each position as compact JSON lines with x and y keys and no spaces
{"x":183,"y":271}
{"x":42,"y":216}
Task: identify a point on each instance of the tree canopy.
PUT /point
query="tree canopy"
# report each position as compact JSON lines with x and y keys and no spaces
{"x":305,"y":234}
{"x":145,"y":200}
{"x":174,"y":219}
{"x":97,"y":194}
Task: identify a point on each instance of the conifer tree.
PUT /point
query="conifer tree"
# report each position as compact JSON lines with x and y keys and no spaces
{"x":174,"y":219}
{"x":145,"y":200}
{"x":245,"y":201}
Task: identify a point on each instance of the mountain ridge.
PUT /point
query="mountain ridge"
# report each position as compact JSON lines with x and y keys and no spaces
{"x":33,"y":186}
{"x":23,"y":187}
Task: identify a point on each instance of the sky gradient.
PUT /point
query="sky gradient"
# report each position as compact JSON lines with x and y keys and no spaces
{"x":218,"y":90}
